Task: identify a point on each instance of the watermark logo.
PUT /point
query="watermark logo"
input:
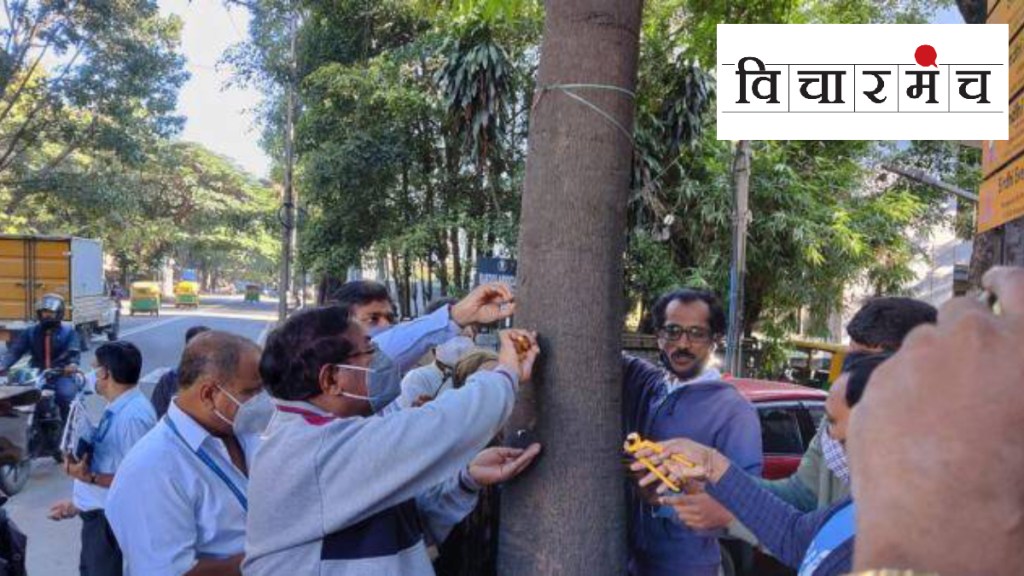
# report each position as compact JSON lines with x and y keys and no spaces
{"x":863,"y":82}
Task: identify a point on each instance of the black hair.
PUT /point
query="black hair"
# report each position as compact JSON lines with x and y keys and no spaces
{"x":436,"y":304}
{"x":716,"y":321}
{"x":885,"y":322}
{"x":212,"y":353}
{"x":297,"y":350}
{"x":354,"y":293}
{"x":859,"y":371}
{"x":193,"y":332}
{"x":122,"y":359}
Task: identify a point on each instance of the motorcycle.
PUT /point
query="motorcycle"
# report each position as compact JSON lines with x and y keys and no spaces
{"x":44,"y":426}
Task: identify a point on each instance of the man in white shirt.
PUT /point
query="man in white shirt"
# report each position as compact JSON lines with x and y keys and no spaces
{"x":178,"y":505}
{"x":127,"y":418}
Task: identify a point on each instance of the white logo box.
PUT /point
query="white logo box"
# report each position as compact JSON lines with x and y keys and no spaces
{"x":852,"y":59}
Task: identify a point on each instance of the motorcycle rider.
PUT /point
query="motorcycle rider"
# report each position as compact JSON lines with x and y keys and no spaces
{"x":52,"y":346}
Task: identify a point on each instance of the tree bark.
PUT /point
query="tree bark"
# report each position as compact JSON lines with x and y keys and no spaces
{"x":567,"y":515}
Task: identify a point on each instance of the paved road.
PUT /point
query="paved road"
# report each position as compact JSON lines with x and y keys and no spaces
{"x":53,"y":547}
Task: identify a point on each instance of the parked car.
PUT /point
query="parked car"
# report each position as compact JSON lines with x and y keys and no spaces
{"x":790,"y":415}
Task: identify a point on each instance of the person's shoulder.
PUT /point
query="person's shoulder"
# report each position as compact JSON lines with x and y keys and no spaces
{"x":728,"y":395}
{"x":168,"y":378}
{"x":140,"y":409}
{"x":153,"y":453}
{"x":636,"y":364}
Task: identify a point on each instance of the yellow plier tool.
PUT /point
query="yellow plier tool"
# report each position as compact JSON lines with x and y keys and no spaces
{"x":636,"y":444}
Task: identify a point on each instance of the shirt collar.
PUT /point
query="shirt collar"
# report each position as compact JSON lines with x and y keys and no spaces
{"x":191,"y":431}
{"x":309,"y":412}
{"x":673,"y":382}
{"x":123,"y":400}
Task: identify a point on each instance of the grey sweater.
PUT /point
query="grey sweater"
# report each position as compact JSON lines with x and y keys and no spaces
{"x":351,"y":496}
{"x":784,"y":530}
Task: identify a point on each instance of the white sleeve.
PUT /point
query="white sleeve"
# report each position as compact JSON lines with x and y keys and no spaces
{"x":405,"y":454}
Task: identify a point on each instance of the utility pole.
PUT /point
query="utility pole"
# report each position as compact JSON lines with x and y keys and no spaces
{"x":288,"y":206}
{"x":738,"y":272}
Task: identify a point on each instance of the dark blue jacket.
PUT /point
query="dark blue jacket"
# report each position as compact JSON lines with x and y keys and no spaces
{"x":65,"y":348}
{"x":713,"y":413}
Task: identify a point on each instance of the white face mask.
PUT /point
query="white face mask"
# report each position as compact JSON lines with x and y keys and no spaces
{"x":835,"y":457}
{"x":252,"y":416}
{"x":367,"y":371}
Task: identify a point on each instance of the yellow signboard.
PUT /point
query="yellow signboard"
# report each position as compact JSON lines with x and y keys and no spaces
{"x":1008,"y":12}
{"x":995,"y":153}
{"x":1001,"y":198}
{"x":1016,"y":63}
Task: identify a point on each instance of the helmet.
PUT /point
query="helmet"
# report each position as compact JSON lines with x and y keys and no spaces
{"x":54,"y":303}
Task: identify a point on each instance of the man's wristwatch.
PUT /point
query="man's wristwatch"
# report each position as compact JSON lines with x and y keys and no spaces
{"x":92,"y":478}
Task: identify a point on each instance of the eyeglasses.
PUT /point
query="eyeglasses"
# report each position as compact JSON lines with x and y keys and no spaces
{"x":372,"y":350}
{"x":694,"y":334}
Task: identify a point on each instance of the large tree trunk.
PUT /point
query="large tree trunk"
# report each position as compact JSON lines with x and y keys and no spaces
{"x":567,"y":515}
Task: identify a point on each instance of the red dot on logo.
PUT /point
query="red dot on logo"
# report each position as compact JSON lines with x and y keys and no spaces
{"x":925,"y":55}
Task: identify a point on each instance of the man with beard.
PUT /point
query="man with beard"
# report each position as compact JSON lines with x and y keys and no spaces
{"x":685,"y":396}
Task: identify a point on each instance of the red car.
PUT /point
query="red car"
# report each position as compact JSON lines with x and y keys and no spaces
{"x":790,"y":415}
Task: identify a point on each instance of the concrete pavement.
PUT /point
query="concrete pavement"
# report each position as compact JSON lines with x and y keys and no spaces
{"x":53,"y":547}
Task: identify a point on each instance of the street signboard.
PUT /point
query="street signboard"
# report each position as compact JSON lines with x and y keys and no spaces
{"x":496,"y":270}
{"x":1001,"y":197}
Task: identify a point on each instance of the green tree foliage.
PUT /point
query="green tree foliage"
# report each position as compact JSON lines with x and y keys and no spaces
{"x":112,"y":88}
{"x":413,"y":131}
{"x":87,"y":98}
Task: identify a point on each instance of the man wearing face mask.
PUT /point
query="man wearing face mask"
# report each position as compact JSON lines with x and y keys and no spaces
{"x":366,"y":492}
{"x":685,"y":396}
{"x":880,"y":326}
{"x":179,"y":502}
{"x":819,"y":543}
{"x":127,"y":418}
{"x":369,"y":305}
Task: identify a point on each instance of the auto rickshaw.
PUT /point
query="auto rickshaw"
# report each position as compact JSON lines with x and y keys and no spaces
{"x":820,"y":363}
{"x":145,"y":297}
{"x":186,"y":294}
{"x":252,"y":292}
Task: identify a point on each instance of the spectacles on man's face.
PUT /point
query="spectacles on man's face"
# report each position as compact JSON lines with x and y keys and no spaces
{"x":693,"y":334}
{"x":370,"y":350}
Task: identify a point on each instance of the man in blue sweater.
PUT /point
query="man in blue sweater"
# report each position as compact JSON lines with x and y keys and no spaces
{"x":685,"y":396}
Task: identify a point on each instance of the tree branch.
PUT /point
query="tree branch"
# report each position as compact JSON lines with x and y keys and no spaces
{"x":925,"y":178}
{"x":24,"y":82}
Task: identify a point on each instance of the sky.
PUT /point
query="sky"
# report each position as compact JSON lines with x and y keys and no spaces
{"x":223,"y":120}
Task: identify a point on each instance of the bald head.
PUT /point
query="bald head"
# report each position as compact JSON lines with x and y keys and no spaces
{"x":215,"y":355}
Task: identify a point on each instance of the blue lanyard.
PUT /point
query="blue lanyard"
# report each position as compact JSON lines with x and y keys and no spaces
{"x":206,"y":459}
{"x":104,"y":427}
